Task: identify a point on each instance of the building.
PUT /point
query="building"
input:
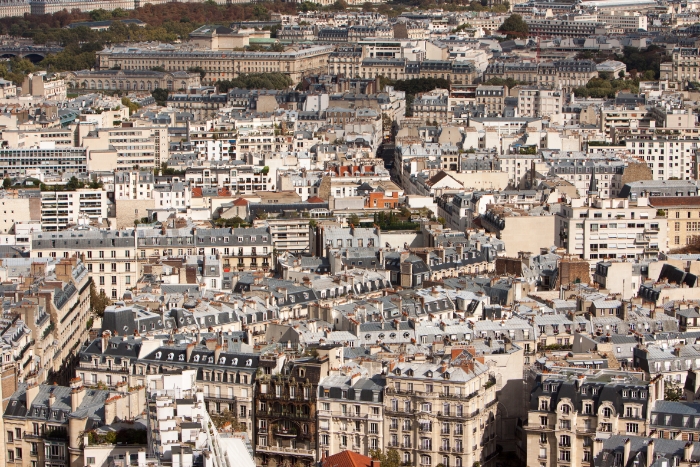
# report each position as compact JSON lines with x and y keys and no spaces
{"x":344,"y":403}
{"x":441,"y":412}
{"x":492,"y":98}
{"x":286,"y":404}
{"x":680,"y":214}
{"x":218,"y":65}
{"x":108,"y":256}
{"x":533,"y":102}
{"x":44,"y":86}
{"x":569,"y":411}
{"x":611,"y":228}
{"x":15,"y":162}
{"x":131,"y":80}
{"x":62,"y":209}
{"x":127,"y":147}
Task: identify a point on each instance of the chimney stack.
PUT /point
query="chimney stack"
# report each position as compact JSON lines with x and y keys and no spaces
{"x":650,"y":452}
{"x":627,"y":446}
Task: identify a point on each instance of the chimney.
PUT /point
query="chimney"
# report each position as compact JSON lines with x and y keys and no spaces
{"x":32,"y":391}
{"x":375,"y":463}
{"x":650,"y":452}
{"x":687,"y":451}
{"x":188,"y":352}
{"x":627,"y":446}
{"x":105,"y":340}
{"x":52,"y":398}
{"x":77,"y":394}
{"x":217,"y":352}
{"x":597,"y":447}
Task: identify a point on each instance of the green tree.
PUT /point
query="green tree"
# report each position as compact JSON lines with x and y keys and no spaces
{"x":389,"y":459}
{"x":673,"y":393}
{"x":133,"y":106}
{"x":354,"y":219}
{"x":160,"y":95}
{"x":515,"y":26}
{"x":74,"y":184}
{"x":98,"y":301}
{"x":260,"y":12}
{"x":7,"y":183}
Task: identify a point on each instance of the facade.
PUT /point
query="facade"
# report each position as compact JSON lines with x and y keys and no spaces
{"x":109,"y":256}
{"x":286,"y":403}
{"x":218,"y":65}
{"x":566,"y":74}
{"x":568,"y":412}
{"x":538,"y":102}
{"x":350,"y":415}
{"x":128,"y":80}
{"x":62,"y":209}
{"x":611,"y":228}
{"x":19,"y":162}
{"x":681,"y":212}
{"x":440,"y":413}
{"x":491,"y":97}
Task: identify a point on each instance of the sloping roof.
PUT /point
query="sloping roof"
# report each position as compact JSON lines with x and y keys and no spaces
{"x":668,"y":201}
{"x":347,"y":459}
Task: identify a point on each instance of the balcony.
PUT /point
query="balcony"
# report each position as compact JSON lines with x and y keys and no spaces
{"x":444,"y":449}
{"x":284,"y":432}
{"x":458,"y":449}
{"x":284,"y":450}
{"x":406,"y":445}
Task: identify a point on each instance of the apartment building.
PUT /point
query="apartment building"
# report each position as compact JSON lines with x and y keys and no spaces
{"x":533,"y":102}
{"x":109,"y":256}
{"x":17,"y":162}
{"x":432,"y":106}
{"x":628,"y":21}
{"x":668,"y":158}
{"x":350,"y":414}
{"x":244,"y":249}
{"x":62,"y":209}
{"x":290,"y":235}
{"x":683,"y":67}
{"x":610,"y":228}
{"x":44,"y":85}
{"x":491,"y":97}
{"x":218,"y":64}
{"x":223,"y":374}
{"x":608,"y":175}
{"x":131,"y":147}
{"x":564,"y":74}
{"x":286,"y":404}
{"x":441,"y":413}
{"x":681,"y":214}
{"x":18,"y":206}
{"x":569,"y":411}
{"x":564,"y":28}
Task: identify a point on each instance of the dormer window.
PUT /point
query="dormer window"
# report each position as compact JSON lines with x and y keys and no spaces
{"x":211,"y":360}
{"x":170,"y":356}
{"x":158,"y":354}
{"x":196,"y":358}
{"x":181,"y":357}
{"x":234,"y":361}
{"x":249,"y":362}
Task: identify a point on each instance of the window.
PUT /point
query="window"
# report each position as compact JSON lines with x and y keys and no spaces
{"x":632,"y":428}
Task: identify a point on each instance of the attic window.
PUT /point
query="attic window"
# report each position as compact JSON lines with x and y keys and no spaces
{"x":406,"y":335}
{"x":158,"y":354}
{"x":170,"y":356}
{"x":222,"y":360}
{"x":252,"y":239}
{"x":211,"y":360}
{"x":196,"y":358}
{"x":302,"y":373}
{"x":249,"y":362}
{"x":114,"y":346}
{"x":181,"y":357}
{"x":240,"y":239}
{"x":234,"y":361}
{"x":225,"y":239}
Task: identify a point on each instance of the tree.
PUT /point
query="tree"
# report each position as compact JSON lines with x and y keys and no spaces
{"x":354,"y":219}
{"x":389,"y":459}
{"x":133,"y":106}
{"x":673,"y":393}
{"x":515,"y":26}
{"x":7,"y":183}
{"x":98,"y":302}
{"x":160,"y":95}
{"x":73,"y":184}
